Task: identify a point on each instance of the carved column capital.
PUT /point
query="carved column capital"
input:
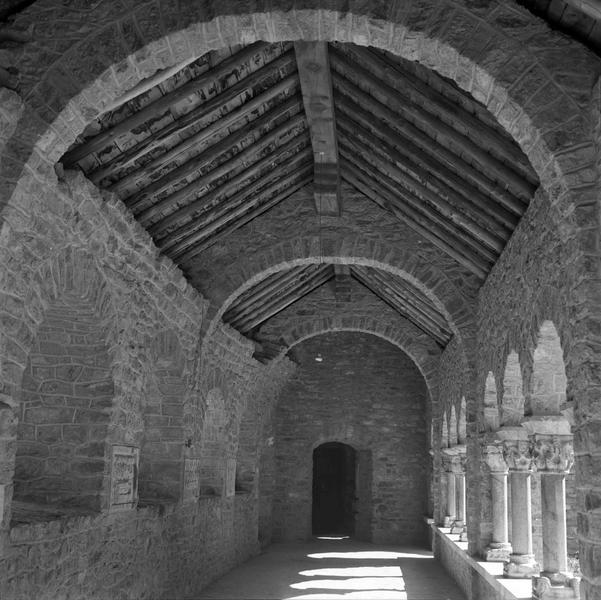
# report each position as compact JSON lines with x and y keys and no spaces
{"x":494,"y":456}
{"x":553,"y":453}
{"x":518,"y":454}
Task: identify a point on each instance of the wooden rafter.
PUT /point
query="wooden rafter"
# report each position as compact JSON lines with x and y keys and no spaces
{"x":445,"y":134}
{"x":430,"y":160}
{"x":161,"y":105}
{"x":203,"y":113}
{"x":316,"y":85}
{"x":425,"y":106}
{"x":388,"y":200}
{"x":258,"y":312}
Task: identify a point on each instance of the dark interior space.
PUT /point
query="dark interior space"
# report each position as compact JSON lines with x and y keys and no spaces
{"x":333,"y":489}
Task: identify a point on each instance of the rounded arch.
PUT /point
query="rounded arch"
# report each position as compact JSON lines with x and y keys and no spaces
{"x":512,"y":402}
{"x":421,"y":349}
{"x":453,"y":426}
{"x":548,"y":383}
{"x":66,"y":396}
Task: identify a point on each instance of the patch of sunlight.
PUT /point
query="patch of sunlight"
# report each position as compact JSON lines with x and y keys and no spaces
{"x":332,"y":537}
{"x":355,"y":572}
{"x":355,"y":583}
{"x":363,"y":595}
{"x":370,"y":554}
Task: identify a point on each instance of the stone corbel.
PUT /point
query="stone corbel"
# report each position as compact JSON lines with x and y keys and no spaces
{"x":553,"y":453}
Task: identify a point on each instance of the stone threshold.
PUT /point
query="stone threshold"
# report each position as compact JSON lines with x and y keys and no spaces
{"x":451,"y":551}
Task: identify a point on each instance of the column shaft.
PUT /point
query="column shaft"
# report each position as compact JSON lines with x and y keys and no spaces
{"x":521,"y":513}
{"x":500,"y":533}
{"x":451,"y":504}
{"x":554,"y":523}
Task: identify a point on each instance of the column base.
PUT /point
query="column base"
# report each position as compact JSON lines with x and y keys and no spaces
{"x":448,"y":522}
{"x":463,"y":536}
{"x":521,"y":566}
{"x":544,"y":589}
{"x":498,"y":552}
{"x":458,"y":527}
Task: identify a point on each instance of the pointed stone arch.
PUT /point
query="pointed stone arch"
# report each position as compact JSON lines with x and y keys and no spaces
{"x":491,"y":407}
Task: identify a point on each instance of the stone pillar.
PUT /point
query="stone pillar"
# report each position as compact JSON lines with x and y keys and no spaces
{"x":458,"y":467}
{"x":554,"y":456}
{"x":450,"y":504}
{"x":519,"y":460}
{"x":499,"y":548}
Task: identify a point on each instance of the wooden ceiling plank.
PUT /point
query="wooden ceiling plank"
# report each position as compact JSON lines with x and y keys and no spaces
{"x":198,"y":139}
{"x":279,"y":304}
{"x":160,"y":230}
{"x":209,"y":154}
{"x":198,"y":248}
{"x":176,"y":200}
{"x":386,"y":200}
{"x":421,"y":308}
{"x":421,"y":211}
{"x":411,"y":111}
{"x":378,"y":157}
{"x":501,"y":144}
{"x":316,"y":86}
{"x":278,"y":282}
{"x":238,"y":212}
{"x":162,"y":104}
{"x":213,"y":106}
{"x":438,"y":164}
{"x":264,"y":297}
{"x":374,"y":288}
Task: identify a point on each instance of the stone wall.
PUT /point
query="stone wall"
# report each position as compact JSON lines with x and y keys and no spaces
{"x":101,"y":353}
{"x":369,"y":395}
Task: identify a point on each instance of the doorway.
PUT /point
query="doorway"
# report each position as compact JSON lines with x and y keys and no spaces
{"x":334,"y":483}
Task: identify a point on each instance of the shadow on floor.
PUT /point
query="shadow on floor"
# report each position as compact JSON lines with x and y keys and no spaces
{"x":336,"y":569}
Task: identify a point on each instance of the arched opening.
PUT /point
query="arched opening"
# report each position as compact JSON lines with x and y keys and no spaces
{"x":445,"y":432}
{"x":462,"y":423}
{"x":213,"y":446}
{"x":453,"y":427}
{"x":334,"y":489}
{"x":491,"y":408}
{"x":66,"y":399}
{"x":512,"y":405}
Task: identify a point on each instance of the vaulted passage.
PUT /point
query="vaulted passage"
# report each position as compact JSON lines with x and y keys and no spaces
{"x":279,"y":271}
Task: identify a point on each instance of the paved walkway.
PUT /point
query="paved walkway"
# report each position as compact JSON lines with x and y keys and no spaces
{"x":336,"y":570}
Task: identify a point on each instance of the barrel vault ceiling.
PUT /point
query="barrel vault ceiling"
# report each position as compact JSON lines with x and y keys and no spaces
{"x":199,"y":153}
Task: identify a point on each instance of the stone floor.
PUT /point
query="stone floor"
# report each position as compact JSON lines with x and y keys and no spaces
{"x":336,"y":569}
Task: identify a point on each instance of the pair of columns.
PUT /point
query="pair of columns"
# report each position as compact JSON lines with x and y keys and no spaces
{"x":456,"y":518}
{"x":516,"y":456}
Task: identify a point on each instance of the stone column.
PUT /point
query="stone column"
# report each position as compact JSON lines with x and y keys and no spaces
{"x":450,"y":507}
{"x":499,"y":548}
{"x":458,"y":468}
{"x":519,"y":460}
{"x":554,"y":456}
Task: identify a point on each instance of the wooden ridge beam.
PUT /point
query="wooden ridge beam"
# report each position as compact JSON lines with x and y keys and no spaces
{"x":385,"y":174}
{"x":316,"y":86}
{"x":429,"y":329}
{"x":203,"y":245}
{"x":378,"y":157}
{"x":402,"y":102}
{"x":208,"y":109}
{"x":161,"y":105}
{"x":466,"y":185}
{"x":208,"y":155}
{"x":281,"y":281}
{"x":278,"y":304}
{"x":207,"y":208}
{"x":210,"y":225}
{"x":436,"y":102}
{"x":436,"y":323}
{"x":442,"y":240}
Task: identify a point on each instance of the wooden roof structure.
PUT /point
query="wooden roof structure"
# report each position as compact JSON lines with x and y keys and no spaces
{"x":197,"y":153}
